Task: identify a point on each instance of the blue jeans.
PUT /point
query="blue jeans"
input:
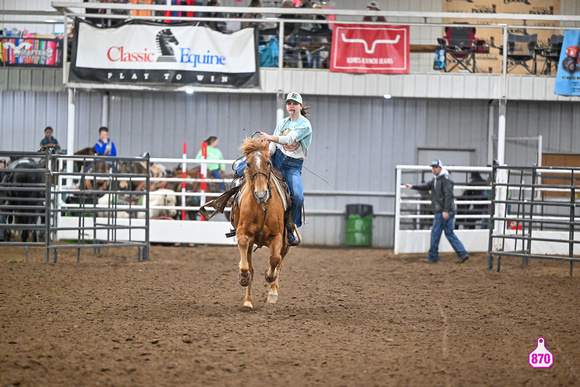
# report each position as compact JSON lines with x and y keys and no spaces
{"x":216,"y":175}
{"x":439,"y":226}
{"x":292,"y":170}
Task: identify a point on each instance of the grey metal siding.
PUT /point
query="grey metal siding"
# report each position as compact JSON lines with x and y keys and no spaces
{"x":357,"y":142}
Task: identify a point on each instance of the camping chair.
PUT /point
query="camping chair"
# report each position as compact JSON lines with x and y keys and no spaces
{"x":551,"y":54}
{"x":461,"y":45}
{"x":521,"y":50}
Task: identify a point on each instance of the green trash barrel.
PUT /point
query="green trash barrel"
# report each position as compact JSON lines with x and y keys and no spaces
{"x":359,"y":225}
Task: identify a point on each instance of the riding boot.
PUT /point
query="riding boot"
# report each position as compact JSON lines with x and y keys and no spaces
{"x":292,"y":236}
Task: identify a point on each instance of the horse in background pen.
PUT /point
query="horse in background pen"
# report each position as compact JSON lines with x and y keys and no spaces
{"x":23,"y":195}
{"x":258,"y":216}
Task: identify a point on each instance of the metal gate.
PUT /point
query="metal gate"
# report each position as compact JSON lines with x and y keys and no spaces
{"x":533,"y":214}
{"x":59,"y":197}
{"x":24,"y":194}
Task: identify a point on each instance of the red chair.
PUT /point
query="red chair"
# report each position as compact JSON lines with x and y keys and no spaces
{"x":461,"y":45}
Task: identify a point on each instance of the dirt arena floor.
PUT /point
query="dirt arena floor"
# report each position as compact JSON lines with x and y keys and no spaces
{"x":344,"y":317}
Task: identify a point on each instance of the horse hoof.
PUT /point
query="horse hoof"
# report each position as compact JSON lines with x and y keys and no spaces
{"x":245,"y":279}
{"x":268,"y":279}
{"x":248,"y":304}
{"x":272,"y":298}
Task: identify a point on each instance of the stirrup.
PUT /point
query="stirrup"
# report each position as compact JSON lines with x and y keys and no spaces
{"x":298,"y":236}
{"x":230,"y":234}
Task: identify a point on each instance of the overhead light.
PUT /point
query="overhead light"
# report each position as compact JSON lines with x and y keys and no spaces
{"x":189,"y":90}
{"x":387,"y":96}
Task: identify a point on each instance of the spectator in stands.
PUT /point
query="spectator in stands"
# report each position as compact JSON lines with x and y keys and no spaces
{"x":215,"y":25}
{"x":93,"y":10}
{"x":288,"y":27}
{"x":443,"y":202}
{"x":303,"y":4}
{"x":105,"y":146}
{"x":374,"y":6}
{"x":113,"y":22}
{"x":253,"y":4}
{"x":319,"y":28}
{"x":141,"y":13}
{"x":48,"y":141}
{"x":213,"y":153}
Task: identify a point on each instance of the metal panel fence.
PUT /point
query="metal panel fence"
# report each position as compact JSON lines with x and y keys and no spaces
{"x":534,"y":214}
{"x":24,"y":192}
{"x":414,"y":217}
{"x":40,"y":191}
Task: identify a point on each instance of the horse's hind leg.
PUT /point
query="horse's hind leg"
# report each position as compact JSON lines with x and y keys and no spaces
{"x":273,"y":272}
{"x":246,"y":273}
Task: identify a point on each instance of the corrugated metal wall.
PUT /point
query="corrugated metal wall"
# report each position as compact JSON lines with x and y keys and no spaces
{"x":357,"y":140}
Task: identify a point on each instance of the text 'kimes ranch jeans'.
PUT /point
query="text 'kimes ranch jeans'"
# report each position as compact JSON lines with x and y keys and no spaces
{"x":291,"y":168}
{"x":441,"y":225}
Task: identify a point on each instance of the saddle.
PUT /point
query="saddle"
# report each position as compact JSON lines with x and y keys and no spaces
{"x":220,"y":203}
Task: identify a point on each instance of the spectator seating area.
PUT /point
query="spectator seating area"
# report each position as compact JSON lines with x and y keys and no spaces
{"x":308,"y":44}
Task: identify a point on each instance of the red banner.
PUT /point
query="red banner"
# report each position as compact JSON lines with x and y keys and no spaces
{"x":370,"y":49}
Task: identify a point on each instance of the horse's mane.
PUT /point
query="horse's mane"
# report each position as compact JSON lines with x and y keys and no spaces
{"x":251,"y":145}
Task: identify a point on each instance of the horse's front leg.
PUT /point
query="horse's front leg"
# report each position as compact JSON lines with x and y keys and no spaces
{"x":273,"y":272}
{"x":246,"y":273}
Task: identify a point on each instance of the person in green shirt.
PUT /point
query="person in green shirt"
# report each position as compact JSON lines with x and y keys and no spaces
{"x":213,"y":153}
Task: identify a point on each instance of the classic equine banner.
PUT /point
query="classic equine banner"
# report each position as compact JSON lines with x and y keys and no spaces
{"x":370,"y":49}
{"x":156,"y":53}
{"x":30,"y":52}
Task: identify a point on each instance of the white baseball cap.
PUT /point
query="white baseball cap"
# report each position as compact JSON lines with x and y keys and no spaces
{"x":294,"y":97}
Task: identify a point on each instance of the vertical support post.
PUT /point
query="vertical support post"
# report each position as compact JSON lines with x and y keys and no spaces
{"x":501,"y":134}
{"x":398,"y":178}
{"x":105,"y":111}
{"x":571,"y":220}
{"x":48,"y":203}
{"x":492,"y":222}
{"x":203,"y":173}
{"x":65,"y":68}
{"x":183,"y":169}
{"x":70,"y":134}
{"x":491,"y":116}
{"x":279,"y":110}
{"x":499,"y":209}
{"x":504,"y":64}
{"x":540,"y":150}
{"x":145,"y":254}
{"x":281,"y":54}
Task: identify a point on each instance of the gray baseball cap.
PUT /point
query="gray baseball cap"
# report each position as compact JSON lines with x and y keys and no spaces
{"x":436,"y":163}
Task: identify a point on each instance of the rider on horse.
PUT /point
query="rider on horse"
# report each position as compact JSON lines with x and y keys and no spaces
{"x":288,"y":148}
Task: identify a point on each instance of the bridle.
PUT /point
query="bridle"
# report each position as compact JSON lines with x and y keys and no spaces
{"x":264,"y":205}
{"x":268,"y":178}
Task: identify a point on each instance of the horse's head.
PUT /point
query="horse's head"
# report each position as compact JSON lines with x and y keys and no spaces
{"x":258,"y":168}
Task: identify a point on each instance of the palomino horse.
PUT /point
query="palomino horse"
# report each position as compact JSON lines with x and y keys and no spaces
{"x":259,"y":219}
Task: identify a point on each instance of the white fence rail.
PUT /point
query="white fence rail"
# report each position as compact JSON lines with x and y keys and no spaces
{"x":414,"y":237}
